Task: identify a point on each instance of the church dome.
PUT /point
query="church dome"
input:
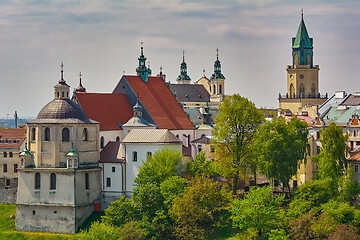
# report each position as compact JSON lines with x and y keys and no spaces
{"x":61,"y":111}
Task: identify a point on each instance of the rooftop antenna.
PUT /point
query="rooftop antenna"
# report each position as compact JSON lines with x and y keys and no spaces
{"x":16,"y":119}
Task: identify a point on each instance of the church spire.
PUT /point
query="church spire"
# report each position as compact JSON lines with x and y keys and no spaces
{"x":302,"y":45}
{"x":217,"y":68}
{"x":183,"y":77}
{"x":80,"y":88}
{"x":61,"y":90}
{"x":142,"y":70}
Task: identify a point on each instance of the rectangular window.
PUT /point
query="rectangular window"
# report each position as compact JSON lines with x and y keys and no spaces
{"x":5,"y":154}
{"x":10,"y":154}
{"x":15,"y":168}
{"x":113,"y":169}
{"x":108,"y":182}
{"x":148,"y":155}
{"x":356,"y":168}
{"x":199,"y":148}
{"x":5,"y":167}
{"x":134,"y":156}
{"x":7,"y":182}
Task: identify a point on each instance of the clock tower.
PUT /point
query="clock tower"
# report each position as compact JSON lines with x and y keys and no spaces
{"x":302,"y":75}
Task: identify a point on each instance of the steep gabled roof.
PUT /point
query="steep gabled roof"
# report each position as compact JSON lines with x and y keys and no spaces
{"x":190,"y":92}
{"x":110,"y":109}
{"x":160,"y":103}
{"x":111,"y":153}
{"x":302,"y":38}
{"x":12,"y":137}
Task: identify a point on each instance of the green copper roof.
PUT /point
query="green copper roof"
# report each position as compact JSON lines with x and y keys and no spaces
{"x":142,"y":70}
{"x":183,"y":71}
{"x":302,"y":38}
{"x":217,"y":68}
{"x":25,"y":152}
{"x":72,"y":152}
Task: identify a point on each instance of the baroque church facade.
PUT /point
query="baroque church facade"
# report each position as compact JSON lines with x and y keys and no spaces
{"x":59,"y":178}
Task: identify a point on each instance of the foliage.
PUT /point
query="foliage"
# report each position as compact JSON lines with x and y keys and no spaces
{"x":235,"y":125}
{"x":201,"y":210}
{"x":300,"y":228}
{"x":99,"y":231}
{"x":163,"y":164}
{"x":277,"y":234}
{"x":332,"y":157}
{"x":172,"y":187}
{"x":311,"y":195}
{"x":347,"y":187}
{"x":280,"y":147}
{"x":120,"y":212}
{"x":132,"y":231}
{"x":259,"y":210}
{"x":201,"y":165}
{"x":344,"y":232}
{"x":342,"y":213}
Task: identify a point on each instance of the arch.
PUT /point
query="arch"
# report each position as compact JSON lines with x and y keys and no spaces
{"x":37,"y":181}
{"x":313,"y":90}
{"x":102,"y":142}
{"x":85,"y":134}
{"x":296,"y":59}
{"x":52,"y":181}
{"x":33,"y":133}
{"x":65,"y":135}
{"x":220,"y":89}
{"x":292,"y":90}
{"x":47,"y":134}
{"x":308,"y":59}
{"x":302,"y":90}
{"x":118,"y":139}
{"x":87,"y":186}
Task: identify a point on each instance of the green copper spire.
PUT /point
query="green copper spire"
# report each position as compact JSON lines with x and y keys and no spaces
{"x":142,"y":70}
{"x":72,"y":152}
{"x":302,"y":46}
{"x":217,"y":68}
{"x":183,"y":70}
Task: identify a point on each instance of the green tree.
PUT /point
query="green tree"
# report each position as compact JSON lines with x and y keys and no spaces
{"x":280,"y":147}
{"x":201,"y":165}
{"x":235,"y":125}
{"x":163,"y":164}
{"x":332,"y":157}
{"x":171,"y":188}
{"x":201,"y":210}
{"x":99,"y":231}
{"x":120,"y":212}
{"x":258,"y":210}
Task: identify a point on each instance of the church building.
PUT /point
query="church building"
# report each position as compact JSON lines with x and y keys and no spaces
{"x":302,"y":76}
{"x":59,"y":179}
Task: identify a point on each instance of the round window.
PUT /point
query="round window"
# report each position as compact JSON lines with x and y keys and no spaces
{"x":301,"y":76}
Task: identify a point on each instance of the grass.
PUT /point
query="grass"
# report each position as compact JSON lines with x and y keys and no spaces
{"x":7,"y":226}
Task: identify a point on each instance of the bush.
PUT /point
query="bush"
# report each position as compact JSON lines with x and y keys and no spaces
{"x":132,"y":231}
{"x":99,"y":231}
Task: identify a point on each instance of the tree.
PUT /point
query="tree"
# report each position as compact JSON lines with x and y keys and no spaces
{"x":258,"y":210}
{"x":280,"y":147}
{"x":201,"y":165}
{"x":200,"y":210}
{"x":163,"y":164}
{"x":235,"y":125}
{"x":332,"y":157}
{"x":99,"y":231}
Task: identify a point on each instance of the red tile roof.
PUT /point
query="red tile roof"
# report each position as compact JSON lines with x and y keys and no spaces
{"x":111,"y":153}
{"x":309,"y":120}
{"x":107,"y":108}
{"x":160,"y":103}
{"x":12,"y":137}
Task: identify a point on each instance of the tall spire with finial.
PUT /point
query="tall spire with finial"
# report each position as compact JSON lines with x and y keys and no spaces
{"x":80,"y":88}
{"x":62,"y":73}
{"x":142,"y":70}
{"x":61,"y":90}
{"x":183,"y":78}
{"x":302,"y":45}
{"x":217,"y":68}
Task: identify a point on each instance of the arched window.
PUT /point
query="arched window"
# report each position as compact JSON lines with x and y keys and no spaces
{"x":292,"y":90}
{"x":85,"y":134}
{"x":118,"y":139}
{"x":33,"y":132}
{"x":214,"y":89}
{"x":47,"y":134}
{"x":37,"y":181}
{"x":220,"y":89}
{"x":87,"y":181}
{"x":102,"y":142}
{"x":52,"y":181}
{"x":302,"y":90}
{"x":65,"y":135}
{"x":148,"y":154}
{"x":313,"y":90}
{"x":134,"y":156}
{"x":309,"y":59}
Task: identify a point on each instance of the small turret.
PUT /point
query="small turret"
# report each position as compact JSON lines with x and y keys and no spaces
{"x":61,"y":90}
{"x":72,"y":158}
{"x":80,"y":88}
{"x":142,"y":70}
{"x":26,"y":159}
{"x":183,"y":78}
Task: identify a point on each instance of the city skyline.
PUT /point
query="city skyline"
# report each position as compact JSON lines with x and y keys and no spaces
{"x":101,"y":39}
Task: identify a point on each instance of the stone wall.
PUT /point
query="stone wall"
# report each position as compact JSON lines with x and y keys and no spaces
{"x":8,"y":194}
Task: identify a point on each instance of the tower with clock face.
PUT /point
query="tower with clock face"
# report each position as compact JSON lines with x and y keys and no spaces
{"x":302,"y":75}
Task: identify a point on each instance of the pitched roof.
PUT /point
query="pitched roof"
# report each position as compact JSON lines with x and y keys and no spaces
{"x":110,"y":109}
{"x":355,"y":156}
{"x":111,"y":153}
{"x":352,"y":100}
{"x":12,"y":137}
{"x":190,"y":92}
{"x":150,"y":136}
{"x":302,"y":38}
{"x":160,"y":103}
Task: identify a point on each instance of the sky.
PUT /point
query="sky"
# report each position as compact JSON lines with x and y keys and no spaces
{"x":101,"y":39}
